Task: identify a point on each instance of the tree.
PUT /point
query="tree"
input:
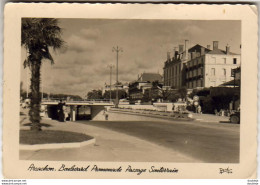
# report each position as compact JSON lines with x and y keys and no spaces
{"x":182,"y":92}
{"x":39,"y":35}
{"x":121,"y":94}
{"x":94,"y":95}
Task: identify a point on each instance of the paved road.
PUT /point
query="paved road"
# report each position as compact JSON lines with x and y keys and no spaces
{"x":208,"y":142}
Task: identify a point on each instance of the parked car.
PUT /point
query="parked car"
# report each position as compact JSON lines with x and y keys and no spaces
{"x":235,"y":117}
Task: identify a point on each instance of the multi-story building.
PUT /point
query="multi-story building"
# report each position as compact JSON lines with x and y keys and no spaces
{"x":209,"y":68}
{"x":199,"y":66}
{"x":144,"y":81}
{"x":173,"y":69}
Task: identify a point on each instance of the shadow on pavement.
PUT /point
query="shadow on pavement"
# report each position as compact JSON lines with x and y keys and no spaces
{"x":42,"y":124}
{"x":228,"y":122}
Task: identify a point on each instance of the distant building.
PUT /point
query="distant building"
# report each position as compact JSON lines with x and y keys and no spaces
{"x":174,"y":75}
{"x":210,"y":68}
{"x":143,"y":82}
{"x":236,"y":79}
{"x":150,"y":77}
{"x":121,"y":86}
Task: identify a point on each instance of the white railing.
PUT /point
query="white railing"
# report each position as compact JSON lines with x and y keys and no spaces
{"x":79,"y":101}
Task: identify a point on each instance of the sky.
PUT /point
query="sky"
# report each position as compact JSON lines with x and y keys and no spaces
{"x":83,"y":65}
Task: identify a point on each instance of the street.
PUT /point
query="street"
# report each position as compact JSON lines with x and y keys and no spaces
{"x":207,"y":142}
{"x":147,"y":139}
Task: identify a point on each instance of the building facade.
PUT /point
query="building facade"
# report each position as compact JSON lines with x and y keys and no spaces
{"x":174,"y":74}
{"x":210,"y":68}
{"x":144,"y":82}
{"x":199,"y":66}
{"x":113,"y":87}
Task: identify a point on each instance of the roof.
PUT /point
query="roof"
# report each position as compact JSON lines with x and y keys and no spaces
{"x":151,"y":77}
{"x":220,"y":52}
{"x":197,"y":48}
{"x":231,"y":83}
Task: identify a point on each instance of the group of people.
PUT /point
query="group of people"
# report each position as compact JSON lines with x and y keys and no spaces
{"x":62,"y":112}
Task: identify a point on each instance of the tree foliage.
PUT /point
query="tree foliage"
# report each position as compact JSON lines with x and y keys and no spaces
{"x":39,"y":35}
{"x":121,"y":94}
{"x":94,"y":95}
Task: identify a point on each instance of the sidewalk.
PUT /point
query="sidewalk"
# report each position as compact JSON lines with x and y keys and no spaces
{"x":139,"y":116}
{"x":209,"y":118}
{"x":109,"y":146}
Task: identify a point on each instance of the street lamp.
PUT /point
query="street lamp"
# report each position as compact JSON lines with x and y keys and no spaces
{"x":117,"y":50}
{"x":110,"y":66}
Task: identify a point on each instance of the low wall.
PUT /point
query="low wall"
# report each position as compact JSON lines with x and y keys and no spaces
{"x":156,"y":106}
{"x":97,"y":112}
{"x":143,"y":107}
{"x":145,"y":115}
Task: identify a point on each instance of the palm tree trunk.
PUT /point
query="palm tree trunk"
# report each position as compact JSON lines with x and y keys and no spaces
{"x":35,"y":96}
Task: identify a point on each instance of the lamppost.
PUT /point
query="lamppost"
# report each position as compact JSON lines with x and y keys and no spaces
{"x":110,"y":66}
{"x":117,"y":50}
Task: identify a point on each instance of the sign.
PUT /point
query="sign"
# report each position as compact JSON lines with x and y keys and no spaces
{"x":195,"y":98}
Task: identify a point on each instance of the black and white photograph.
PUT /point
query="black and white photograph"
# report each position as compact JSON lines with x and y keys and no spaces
{"x":130,"y":90}
{"x":144,"y":90}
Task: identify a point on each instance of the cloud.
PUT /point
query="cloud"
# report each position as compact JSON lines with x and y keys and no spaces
{"x":90,"y":33}
{"x":71,"y":58}
{"x":84,"y":40}
{"x":79,"y":44}
{"x":83,"y":66}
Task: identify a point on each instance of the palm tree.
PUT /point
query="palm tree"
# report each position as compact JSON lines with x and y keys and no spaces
{"x":38,"y":36}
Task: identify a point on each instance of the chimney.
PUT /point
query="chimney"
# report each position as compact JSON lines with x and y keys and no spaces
{"x":227,"y":49}
{"x":202,"y":51}
{"x":186,"y":49}
{"x":208,"y":46}
{"x":168,"y":56}
{"x":174,"y":50}
{"x":215,"y":45}
{"x":181,"y":48}
{"x":176,"y":54}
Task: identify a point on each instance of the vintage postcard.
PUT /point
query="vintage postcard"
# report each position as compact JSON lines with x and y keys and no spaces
{"x":130,"y":91}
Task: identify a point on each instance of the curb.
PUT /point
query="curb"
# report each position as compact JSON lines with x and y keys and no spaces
{"x":153,"y":115}
{"x":57,"y":145}
{"x":202,"y":120}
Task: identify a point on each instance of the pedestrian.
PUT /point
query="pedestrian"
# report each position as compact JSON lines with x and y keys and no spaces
{"x":105,"y":113}
{"x":66,"y":114}
{"x":199,"y":109}
{"x":60,"y":111}
{"x":216,"y":112}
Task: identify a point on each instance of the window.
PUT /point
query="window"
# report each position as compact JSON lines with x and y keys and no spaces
{"x":194,"y":72}
{"x":212,"y":71}
{"x":234,"y":60}
{"x":201,"y":71}
{"x":224,"y":72}
{"x":214,"y":60}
